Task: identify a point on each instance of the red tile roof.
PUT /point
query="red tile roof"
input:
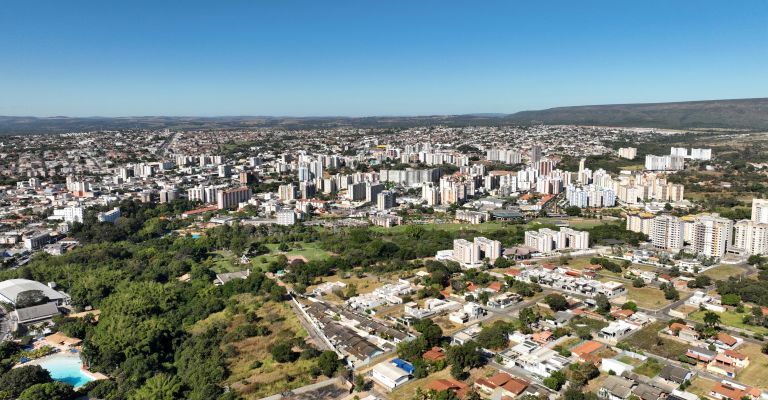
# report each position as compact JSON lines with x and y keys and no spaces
{"x":434,"y":354}
{"x":587,"y":347}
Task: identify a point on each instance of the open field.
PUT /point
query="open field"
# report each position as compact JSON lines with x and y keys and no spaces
{"x":647,"y":297}
{"x":647,"y":339}
{"x":408,"y":391}
{"x":310,"y":251}
{"x":723,"y":271}
{"x":730,"y":318}
{"x":701,"y":386}
{"x":575,"y":222}
{"x":649,"y":368}
{"x":754,"y":374}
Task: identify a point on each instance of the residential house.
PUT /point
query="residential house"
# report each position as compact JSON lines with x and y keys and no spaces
{"x":728,"y":390}
{"x":460,"y":389}
{"x":500,"y":385}
{"x":701,"y":354}
{"x":616,"y":388}
{"x":674,"y":374}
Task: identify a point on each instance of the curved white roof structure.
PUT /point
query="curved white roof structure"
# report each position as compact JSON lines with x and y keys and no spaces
{"x":10,"y":289}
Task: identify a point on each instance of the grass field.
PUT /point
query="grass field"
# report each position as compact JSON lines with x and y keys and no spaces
{"x":311,"y":251}
{"x":730,"y":318}
{"x":647,"y":297}
{"x":648,"y":339}
{"x":754,"y":374}
{"x":649,"y":368}
{"x":701,"y":386}
{"x":723,"y":271}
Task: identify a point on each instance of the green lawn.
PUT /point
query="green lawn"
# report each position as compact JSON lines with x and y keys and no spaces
{"x":649,"y":368}
{"x":575,"y":222}
{"x":730,"y":318}
{"x":723,"y":271}
{"x":311,"y":251}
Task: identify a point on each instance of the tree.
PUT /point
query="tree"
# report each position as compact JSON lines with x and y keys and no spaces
{"x":49,"y":391}
{"x":495,"y":335}
{"x":20,"y":379}
{"x":458,"y":372}
{"x":573,"y":211}
{"x":31,"y":298}
{"x":602,"y":303}
{"x":465,"y":356}
{"x":638,"y":282}
{"x":360,"y":382}
{"x":328,"y":362}
{"x":711,"y":319}
{"x":159,"y":387}
{"x":670,"y":293}
{"x":730,"y":299}
{"x":555,"y":381}
{"x":283,"y":353}
{"x":556,"y":302}
{"x":630,"y":305}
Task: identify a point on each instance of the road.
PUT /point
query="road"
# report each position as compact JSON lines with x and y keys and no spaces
{"x":317,"y":337}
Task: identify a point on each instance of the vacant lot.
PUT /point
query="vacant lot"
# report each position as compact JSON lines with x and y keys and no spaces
{"x":754,"y":374}
{"x":648,"y":339}
{"x":701,"y":386}
{"x":647,"y":297}
{"x":649,"y":368}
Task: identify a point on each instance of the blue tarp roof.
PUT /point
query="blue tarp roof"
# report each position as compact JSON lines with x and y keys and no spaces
{"x":404,"y":365}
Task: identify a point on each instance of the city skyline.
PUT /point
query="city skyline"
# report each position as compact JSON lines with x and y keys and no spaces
{"x":346,"y":59}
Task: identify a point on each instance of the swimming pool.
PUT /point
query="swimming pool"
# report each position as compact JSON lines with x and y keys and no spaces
{"x":65,"y":368}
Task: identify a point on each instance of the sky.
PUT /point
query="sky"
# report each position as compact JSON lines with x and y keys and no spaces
{"x":366,"y":58}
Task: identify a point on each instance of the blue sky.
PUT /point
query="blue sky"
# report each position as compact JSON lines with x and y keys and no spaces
{"x":357,"y":58}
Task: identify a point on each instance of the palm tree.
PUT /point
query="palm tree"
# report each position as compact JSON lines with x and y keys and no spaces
{"x":711,"y":319}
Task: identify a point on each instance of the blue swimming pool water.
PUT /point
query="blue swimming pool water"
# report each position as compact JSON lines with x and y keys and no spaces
{"x":65,"y":368}
{"x":195,"y":236}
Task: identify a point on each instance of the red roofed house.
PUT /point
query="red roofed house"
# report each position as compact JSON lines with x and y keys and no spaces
{"x":726,"y":341}
{"x":502,"y":382}
{"x":726,"y":390}
{"x":441,"y":385}
{"x":585,"y":350}
{"x":514,"y":272}
{"x":541,"y":337}
{"x":495,"y":286}
{"x":434,"y":354}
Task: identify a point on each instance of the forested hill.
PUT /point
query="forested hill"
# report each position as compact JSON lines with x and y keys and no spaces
{"x":742,"y":114}
{"x":730,"y":114}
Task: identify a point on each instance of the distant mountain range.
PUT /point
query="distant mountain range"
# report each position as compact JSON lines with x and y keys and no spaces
{"x":728,"y":114}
